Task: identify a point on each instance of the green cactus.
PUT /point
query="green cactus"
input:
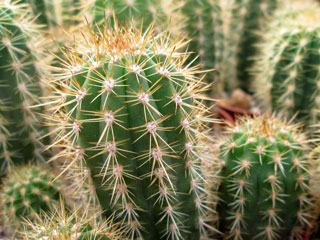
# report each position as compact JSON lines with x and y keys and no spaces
{"x":131,"y":111}
{"x":247,"y":19}
{"x":289,"y":64}
{"x":20,"y":72}
{"x":28,"y":190}
{"x":204,"y":26}
{"x":141,"y":12}
{"x":264,"y":180}
{"x":61,"y":224}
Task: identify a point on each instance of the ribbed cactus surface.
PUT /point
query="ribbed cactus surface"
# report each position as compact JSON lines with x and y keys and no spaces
{"x":28,"y":190}
{"x":132,"y":111}
{"x":263,"y":180}
{"x":204,"y":27}
{"x":248,"y":18}
{"x":20,"y":72}
{"x":289,"y":64}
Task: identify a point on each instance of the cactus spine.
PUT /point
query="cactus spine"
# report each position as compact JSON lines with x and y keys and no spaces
{"x":263,"y":172}
{"x":247,"y":18}
{"x":132,"y":113}
{"x":20,"y":72}
{"x":28,"y":190}
{"x":289,"y":64}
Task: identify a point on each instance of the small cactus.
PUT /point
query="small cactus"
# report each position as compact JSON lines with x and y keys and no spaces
{"x":28,"y":190}
{"x":289,"y":64}
{"x":61,"y":224}
{"x":20,"y":88}
{"x":132,"y":112}
{"x":264,"y":180}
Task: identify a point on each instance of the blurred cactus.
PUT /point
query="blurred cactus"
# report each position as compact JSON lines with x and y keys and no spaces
{"x":55,"y":13}
{"x":288,"y":69}
{"x":204,"y":26}
{"x":248,"y":18}
{"x":20,"y":72}
{"x":131,"y":110}
{"x":28,"y":190}
{"x":141,"y":12}
{"x":264,"y":180}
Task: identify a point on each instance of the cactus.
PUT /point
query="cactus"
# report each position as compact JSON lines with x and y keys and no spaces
{"x":131,"y":110}
{"x":20,"y":71}
{"x":141,"y":12}
{"x":289,"y":64}
{"x":263,"y":173}
{"x":28,"y":190}
{"x":61,"y":224}
{"x":247,"y":19}
{"x":204,"y":26}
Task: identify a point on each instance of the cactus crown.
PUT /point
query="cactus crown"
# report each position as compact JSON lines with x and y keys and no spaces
{"x":28,"y":190}
{"x":263,"y":171}
{"x":132,"y":111}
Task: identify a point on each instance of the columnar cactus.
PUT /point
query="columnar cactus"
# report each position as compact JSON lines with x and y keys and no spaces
{"x":248,"y":17}
{"x":63,"y":225}
{"x":141,"y":12}
{"x":264,"y":180}
{"x":20,"y":72}
{"x":28,"y":190}
{"x":131,"y":111}
{"x":205,"y":28}
{"x":289,"y":64}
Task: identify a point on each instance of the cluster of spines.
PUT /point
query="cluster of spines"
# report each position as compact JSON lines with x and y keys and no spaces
{"x":289,"y":64}
{"x":204,"y":26}
{"x":247,"y":19}
{"x":62,"y":224}
{"x":142,"y":157}
{"x":19,"y":84}
{"x":27,"y":191}
{"x":263,"y":170}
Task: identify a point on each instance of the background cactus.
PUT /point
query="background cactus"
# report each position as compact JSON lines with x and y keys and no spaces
{"x":141,"y":12}
{"x":204,"y":26}
{"x":246,"y":21}
{"x":20,"y":71}
{"x":28,"y":190}
{"x":289,"y":64}
{"x":263,"y":173}
{"x":131,"y":110}
{"x":54,"y":13}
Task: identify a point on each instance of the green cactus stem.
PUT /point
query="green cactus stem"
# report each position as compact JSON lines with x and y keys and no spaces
{"x":247,"y":19}
{"x":132,"y":112}
{"x":204,"y":26}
